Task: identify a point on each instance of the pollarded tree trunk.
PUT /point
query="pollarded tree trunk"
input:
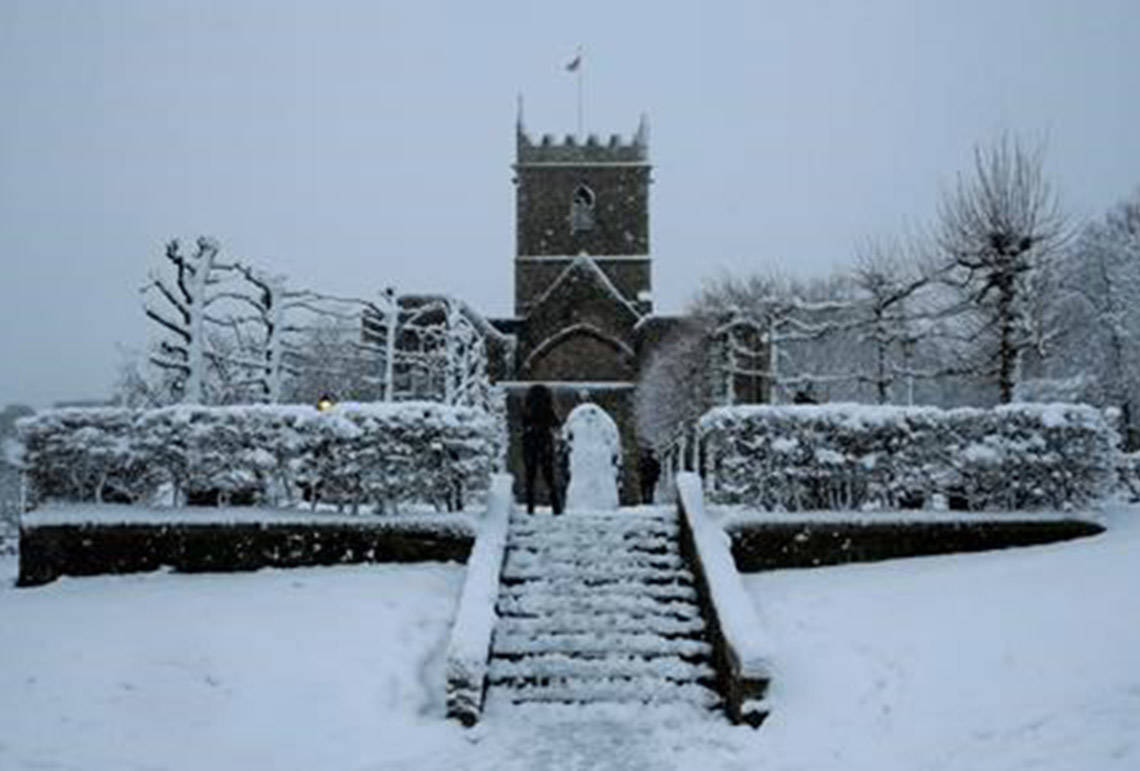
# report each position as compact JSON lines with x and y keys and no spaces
{"x":1008,"y":349}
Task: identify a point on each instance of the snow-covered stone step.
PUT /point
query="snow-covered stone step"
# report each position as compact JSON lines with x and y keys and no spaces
{"x":568,"y":557}
{"x":616,"y":524}
{"x":638,"y":542}
{"x":569,"y":623}
{"x":572,"y":589}
{"x":647,"y":544}
{"x":608,"y":521}
{"x":596,"y":602}
{"x":596,"y":574}
{"x":628,"y":643}
{"x":596,"y":608}
{"x":624,"y":514}
{"x":589,"y":548}
{"x":644,"y":541}
{"x":559,"y":665}
{"x":586,"y":542}
{"x":648,"y":690}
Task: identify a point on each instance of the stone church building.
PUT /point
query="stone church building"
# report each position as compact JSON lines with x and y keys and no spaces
{"x":583,"y":320}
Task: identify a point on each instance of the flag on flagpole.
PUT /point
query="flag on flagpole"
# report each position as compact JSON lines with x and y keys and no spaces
{"x":575,"y":63}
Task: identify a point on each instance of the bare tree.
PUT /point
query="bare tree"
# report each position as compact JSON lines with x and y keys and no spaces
{"x":996,"y":229}
{"x":325,"y":358}
{"x":676,"y":387}
{"x":1098,"y":287}
{"x":796,"y":322}
{"x":439,"y":351}
{"x":888,"y":275}
{"x":178,"y":305}
{"x":139,"y":386}
{"x":272,"y":326}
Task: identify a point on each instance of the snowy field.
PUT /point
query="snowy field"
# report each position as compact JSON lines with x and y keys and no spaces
{"x":1020,"y":659}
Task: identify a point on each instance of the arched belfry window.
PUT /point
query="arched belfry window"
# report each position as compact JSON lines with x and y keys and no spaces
{"x":582,"y":209}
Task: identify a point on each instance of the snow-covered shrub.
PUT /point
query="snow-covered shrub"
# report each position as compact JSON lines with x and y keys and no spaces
{"x":355,"y":454}
{"x":84,"y":454}
{"x":9,"y":506}
{"x":1128,"y":474}
{"x":843,"y":456}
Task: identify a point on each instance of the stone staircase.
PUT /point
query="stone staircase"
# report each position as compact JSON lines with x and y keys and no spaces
{"x":599,"y":607}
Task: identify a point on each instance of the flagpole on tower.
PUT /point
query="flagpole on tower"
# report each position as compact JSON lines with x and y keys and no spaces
{"x":575,"y":66}
{"x":580,"y":92}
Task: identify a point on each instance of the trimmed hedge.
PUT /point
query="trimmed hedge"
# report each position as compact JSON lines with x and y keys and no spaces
{"x":775,"y":545}
{"x":848,"y":456}
{"x":1128,"y":474}
{"x":50,"y":551}
{"x":356,"y":454}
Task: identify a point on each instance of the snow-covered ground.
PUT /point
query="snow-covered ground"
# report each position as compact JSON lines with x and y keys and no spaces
{"x":461,"y":523}
{"x":1016,"y":659}
{"x":283,"y":669}
{"x":1019,"y":659}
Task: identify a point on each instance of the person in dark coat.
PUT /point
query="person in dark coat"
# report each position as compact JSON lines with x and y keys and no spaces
{"x":539,"y":424}
{"x":649,"y":470}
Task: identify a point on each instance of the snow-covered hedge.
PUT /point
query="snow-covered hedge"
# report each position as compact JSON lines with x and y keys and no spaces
{"x":1128,"y":474}
{"x":844,"y":456}
{"x":353,"y":455}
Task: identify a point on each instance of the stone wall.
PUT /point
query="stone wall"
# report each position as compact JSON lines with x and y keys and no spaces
{"x":581,"y":356}
{"x":534,"y":275}
{"x":621,"y":209}
{"x":778,"y":545}
{"x":50,"y":551}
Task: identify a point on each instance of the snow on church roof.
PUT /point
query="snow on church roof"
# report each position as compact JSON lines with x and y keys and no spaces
{"x":584,"y":261}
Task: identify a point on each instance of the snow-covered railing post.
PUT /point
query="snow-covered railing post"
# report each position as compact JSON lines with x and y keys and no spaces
{"x":709,"y":455}
{"x":740,"y":647}
{"x":470,"y":645}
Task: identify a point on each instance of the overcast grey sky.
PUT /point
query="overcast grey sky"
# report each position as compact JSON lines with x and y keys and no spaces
{"x":355,"y":145}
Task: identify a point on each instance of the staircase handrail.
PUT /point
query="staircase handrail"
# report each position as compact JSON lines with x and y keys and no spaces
{"x":470,"y":646}
{"x":742,"y":649}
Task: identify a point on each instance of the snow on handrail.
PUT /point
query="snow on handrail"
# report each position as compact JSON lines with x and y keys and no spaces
{"x":744,"y":647}
{"x":470,"y":645}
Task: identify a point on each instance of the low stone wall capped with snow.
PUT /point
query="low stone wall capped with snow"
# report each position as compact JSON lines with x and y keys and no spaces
{"x":741,"y":648}
{"x":87,"y":541}
{"x":470,"y":645}
{"x":355,"y":454}
{"x":850,"y":456}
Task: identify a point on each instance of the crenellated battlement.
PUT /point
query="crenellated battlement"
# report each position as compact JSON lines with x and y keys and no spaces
{"x":572,"y":149}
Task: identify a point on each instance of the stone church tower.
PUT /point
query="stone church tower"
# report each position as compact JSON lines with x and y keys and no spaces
{"x":587,"y":199}
{"x":582,"y":278}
